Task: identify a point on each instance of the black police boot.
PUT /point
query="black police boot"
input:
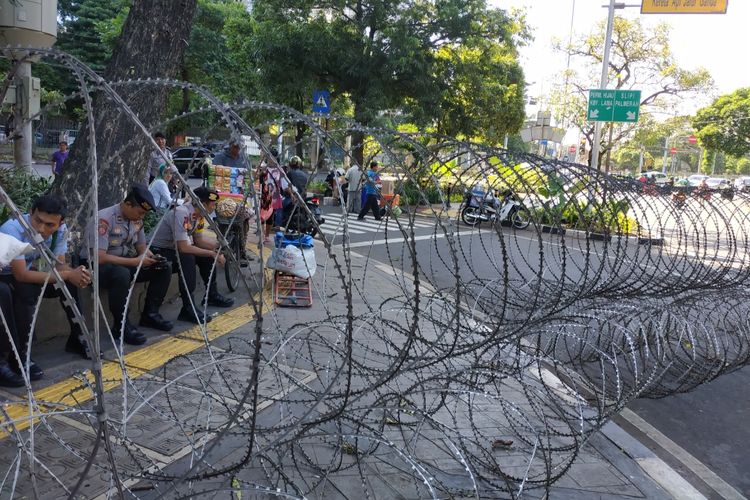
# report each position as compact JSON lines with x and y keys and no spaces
{"x":9,"y":378}
{"x":218,"y":300}
{"x":198,"y":317}
{"x":77,"y":344}
{"x":151,"y":318}
{"x":35,"y":372}
{"x":132,"y":336}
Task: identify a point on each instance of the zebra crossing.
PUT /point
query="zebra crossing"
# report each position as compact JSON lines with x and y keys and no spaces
{"x":335,"y":224}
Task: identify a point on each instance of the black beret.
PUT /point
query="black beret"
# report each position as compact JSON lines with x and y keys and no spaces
{"x":142,"y":196}
{"x":206,"y":194}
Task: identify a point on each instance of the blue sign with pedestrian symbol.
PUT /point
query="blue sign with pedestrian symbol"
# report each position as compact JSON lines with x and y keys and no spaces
{"x":321,"y":101}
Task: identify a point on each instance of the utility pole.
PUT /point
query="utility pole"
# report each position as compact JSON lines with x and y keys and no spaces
{"x":603,"y":82}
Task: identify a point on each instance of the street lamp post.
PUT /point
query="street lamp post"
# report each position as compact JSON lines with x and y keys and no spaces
{"x":603,"y":82}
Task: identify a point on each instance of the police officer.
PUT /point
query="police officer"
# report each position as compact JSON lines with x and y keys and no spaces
{"x":122,"y":246}
{"x":183,"y":229}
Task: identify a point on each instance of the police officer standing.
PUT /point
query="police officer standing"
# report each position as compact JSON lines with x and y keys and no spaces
{"x":183,"y":229}
{"x":122,"y":246}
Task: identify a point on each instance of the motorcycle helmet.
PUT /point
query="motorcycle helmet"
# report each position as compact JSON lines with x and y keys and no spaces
{"x":274,"y":152}
{"x":295,"y":162}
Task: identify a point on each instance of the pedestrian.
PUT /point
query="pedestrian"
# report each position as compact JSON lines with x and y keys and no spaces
{"x":184,"y":229}
{"x":371,"y":190}
{"x":29,"y":276}
{"x":230,"y":158}
{"x":122,"y":247}
{"x":159,"y":188}
{"x":59,"y":157}
{"x":354,"y":179}
{"x":161,"y":155}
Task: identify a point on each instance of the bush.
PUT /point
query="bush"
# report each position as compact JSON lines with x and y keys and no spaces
{"x":23,"y":187}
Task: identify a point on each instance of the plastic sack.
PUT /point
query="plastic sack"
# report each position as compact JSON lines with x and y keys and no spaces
{"x":10,"y":248}
{"x":303,"y":241}
{"x":294,"y":260}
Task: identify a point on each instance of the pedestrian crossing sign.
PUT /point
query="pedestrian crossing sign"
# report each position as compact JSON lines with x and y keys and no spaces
{"x":321,"y":102}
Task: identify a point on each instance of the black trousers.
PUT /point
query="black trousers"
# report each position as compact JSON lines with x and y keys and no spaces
{"x":7,"y":335}
{"x":25,"y":299}
{"x":188,"y":263}
{"x":117,"y":279}
{"x":371,"y":203}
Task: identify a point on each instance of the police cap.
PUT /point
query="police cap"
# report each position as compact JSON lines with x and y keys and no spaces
{"x":206,"y":194}
{"x":140,"y":193}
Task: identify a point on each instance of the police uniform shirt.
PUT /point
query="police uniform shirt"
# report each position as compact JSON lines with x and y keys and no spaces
{"x":180,"y":224}
{"x":34,"y":259}
{"x":116,"y":234}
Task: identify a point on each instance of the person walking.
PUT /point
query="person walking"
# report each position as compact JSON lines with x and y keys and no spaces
{"x":59,"y":157}
{"x":157,"y":158}
{"x":354,"y":179}
{"x":371,"y":189}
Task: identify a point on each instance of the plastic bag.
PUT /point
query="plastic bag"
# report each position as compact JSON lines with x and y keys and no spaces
{"x":10,"y":248}
{"x":294,"y":260}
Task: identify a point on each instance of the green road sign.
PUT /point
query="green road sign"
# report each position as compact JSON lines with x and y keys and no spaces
{"x":614,"y":105}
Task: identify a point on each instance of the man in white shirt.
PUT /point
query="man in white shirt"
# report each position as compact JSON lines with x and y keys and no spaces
{"x":354,"y":179}
{"x":157,"y":157}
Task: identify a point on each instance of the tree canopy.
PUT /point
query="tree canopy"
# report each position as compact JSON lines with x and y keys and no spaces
{"x":725,"y":124}
{"x":440,"y":61}
{"x":640,"y":59}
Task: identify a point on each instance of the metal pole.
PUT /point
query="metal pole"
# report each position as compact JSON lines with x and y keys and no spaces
{"x":664,"y":161}
{"x":24,"y":137}
{"x":604,"y":81}
{"x":640,"y":162}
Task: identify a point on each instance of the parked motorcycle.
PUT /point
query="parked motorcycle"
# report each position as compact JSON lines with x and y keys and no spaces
{"x":297,"y":220}
{"x":479,"y":206}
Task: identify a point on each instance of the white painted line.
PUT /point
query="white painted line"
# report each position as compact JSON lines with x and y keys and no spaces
{"x":404,"y":222}
{"x":708,"y":476}
{"x":666,"y":477}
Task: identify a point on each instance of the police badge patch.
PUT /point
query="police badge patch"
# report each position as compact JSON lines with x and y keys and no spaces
{"x":103,"y":227}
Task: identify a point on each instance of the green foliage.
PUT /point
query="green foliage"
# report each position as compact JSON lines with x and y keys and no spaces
{"x":452,"y":62}
{"x":317,"y":187}
{"x":725,"y":124}
{"x":641,"y":58}
{"x":629,"y":159}
{"x":23,"y":187}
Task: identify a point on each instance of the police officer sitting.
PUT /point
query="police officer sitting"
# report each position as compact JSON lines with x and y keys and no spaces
{"x":183,"y":229}
{"x":122,"y":246}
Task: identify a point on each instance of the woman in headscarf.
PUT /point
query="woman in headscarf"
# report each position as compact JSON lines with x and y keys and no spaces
{"x":159,"y":188}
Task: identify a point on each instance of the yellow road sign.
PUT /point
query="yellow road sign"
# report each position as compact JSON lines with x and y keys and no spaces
{"x":684,"y":6}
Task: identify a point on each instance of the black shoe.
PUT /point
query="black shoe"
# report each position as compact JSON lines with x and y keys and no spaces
{"x":190,"y":316}
{"x":218,"y":300}
{"x":35,"y":373}
{"x":132,"y":336}
{"x":360,"y":218}
{"x":155,"y":320}
{"x":9,"y":378}
{"x":81,"y":347}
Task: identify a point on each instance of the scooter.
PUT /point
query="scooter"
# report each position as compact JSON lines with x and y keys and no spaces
{"x":479,"y":206}
{"x":296,"y":220}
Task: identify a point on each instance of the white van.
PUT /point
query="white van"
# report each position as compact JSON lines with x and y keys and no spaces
{"x":658,"y":177}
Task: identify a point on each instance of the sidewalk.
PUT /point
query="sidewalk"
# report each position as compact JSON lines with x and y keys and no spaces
{"x":383,"y":413}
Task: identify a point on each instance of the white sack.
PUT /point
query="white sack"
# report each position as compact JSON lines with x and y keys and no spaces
{"x":293,"y":260}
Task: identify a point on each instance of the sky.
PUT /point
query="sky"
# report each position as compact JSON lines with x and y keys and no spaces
{"x":718,"y":42}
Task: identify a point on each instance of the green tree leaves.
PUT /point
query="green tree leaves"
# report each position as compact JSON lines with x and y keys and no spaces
{"x":725,"y":124}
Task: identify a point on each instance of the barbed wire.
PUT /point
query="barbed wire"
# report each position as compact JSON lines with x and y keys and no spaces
{"x":468,"y":347}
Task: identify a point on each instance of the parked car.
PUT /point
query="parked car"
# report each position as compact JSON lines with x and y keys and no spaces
{"x":718,"y":183}
{"x":742,"y":184}
{"x":191,"y":160}
{"x":696,"y":179}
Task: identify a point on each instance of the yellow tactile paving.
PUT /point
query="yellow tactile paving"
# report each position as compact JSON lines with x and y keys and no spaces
{"x":73,"y":391}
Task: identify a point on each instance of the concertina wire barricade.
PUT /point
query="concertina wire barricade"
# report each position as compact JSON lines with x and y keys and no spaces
{"x":495,"y":354}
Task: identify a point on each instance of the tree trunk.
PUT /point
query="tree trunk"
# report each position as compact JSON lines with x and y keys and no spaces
{"x":152,"y":45}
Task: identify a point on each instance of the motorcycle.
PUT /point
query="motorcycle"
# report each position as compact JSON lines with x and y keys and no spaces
{"x":479,"y":206}
{"x":296,"y":220}
{"x":679,"y":198}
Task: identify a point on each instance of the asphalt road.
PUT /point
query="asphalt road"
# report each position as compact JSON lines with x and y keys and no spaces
{"x":710,"y":422}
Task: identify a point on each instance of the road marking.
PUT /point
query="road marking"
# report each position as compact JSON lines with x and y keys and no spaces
{"x":706,"y":475}
{"x":666,"y":477}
